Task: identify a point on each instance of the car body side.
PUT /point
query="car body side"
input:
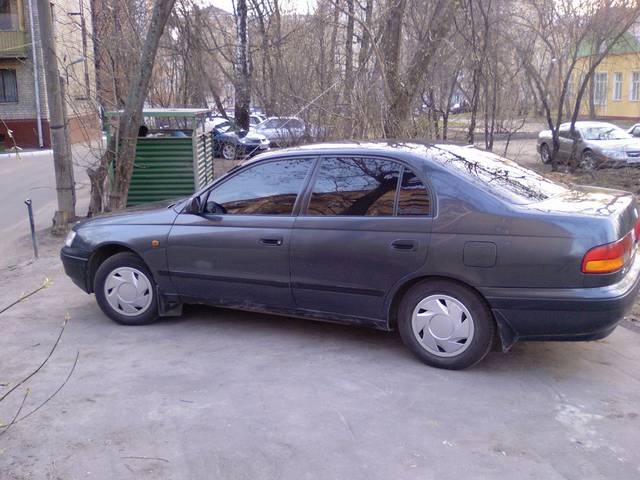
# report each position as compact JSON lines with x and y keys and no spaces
{"x":523,"y":260}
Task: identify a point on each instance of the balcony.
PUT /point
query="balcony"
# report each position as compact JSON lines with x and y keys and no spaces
{"x":13,"y":44}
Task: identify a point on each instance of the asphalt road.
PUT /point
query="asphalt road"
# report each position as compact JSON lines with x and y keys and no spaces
{"x":31,"y":175}
{"x":228,"y":395}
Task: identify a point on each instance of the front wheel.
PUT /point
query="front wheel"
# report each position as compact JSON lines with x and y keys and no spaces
{"x":445,"y":324}
{"x":545,"y":153}
{"x":229,"y":151}
{"x":125,"y":290}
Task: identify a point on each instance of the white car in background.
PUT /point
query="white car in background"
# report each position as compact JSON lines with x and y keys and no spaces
{"x":283,"y":131}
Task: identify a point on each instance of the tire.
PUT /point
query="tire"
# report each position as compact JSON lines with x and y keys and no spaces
{"x":229,"y":151}
{"x":545,"y":154}
{"x":437,"y":338}
{"x":118,"y":297}
{"x":587,"y":160}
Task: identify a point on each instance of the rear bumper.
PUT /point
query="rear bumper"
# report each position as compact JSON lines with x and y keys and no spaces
{"x":75,"y":266}
{"x":563,"y":314}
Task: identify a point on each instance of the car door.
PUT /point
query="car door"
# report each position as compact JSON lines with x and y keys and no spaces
{"x":236,"y":252}
{"x":359,"y":234}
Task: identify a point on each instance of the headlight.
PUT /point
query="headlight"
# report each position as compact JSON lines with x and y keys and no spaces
{"x":615,"y":154}
{"x":70,"y":237}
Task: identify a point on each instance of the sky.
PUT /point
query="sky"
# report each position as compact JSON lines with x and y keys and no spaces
{"x":299,"y":6}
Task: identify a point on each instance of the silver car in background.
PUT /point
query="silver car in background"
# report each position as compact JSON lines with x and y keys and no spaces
{"x":599,"y":145}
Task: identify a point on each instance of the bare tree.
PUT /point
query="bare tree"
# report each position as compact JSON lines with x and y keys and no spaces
{"x":243,"y":78}
{"x":121,"y":150}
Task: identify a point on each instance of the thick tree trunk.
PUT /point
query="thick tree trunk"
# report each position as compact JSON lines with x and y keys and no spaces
{"x":348,"y":66}
{"x":243,"y":79}
{"x":122,"y":147}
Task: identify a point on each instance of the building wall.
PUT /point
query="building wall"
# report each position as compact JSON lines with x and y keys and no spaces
{"x":625,"y":108}
{"x":20,"y":117}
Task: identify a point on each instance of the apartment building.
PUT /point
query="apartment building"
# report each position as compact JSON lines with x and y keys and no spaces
{"x":24,"y":116}
{"x":616,"y":81}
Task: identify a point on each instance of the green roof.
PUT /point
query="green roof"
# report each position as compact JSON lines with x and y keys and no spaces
{"x":628,"y":43}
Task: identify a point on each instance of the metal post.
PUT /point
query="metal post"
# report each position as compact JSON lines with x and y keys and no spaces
{"x":27,"y":202}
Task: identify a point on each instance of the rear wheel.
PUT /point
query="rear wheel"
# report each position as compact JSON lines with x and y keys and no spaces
{"x":587,"y":160}
{"x":125,"y":290}
{"x":445,"y":324}
{"x":545,"y":153}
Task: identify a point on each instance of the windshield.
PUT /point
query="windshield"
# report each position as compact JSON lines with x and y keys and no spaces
{"x":604,"y":132}
{"x":496,"y":174}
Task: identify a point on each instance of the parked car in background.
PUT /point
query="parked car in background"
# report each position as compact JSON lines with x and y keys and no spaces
{"x":635,"y":130}
{"x":283,"y":131}
{"x":230,"y":142}
{"x":599,"y":145}
{"x":254,"y":119}
{"x":455,"y":247}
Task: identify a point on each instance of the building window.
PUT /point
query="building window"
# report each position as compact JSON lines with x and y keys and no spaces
{"x":600,"y":88}
{"x":617,"y":86}
{"x":9,"y":20}
{"x":8,"y":86}
{"x":634,"y":94}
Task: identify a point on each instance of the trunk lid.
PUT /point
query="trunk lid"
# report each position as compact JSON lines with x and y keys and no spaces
{"x":615,"y":209}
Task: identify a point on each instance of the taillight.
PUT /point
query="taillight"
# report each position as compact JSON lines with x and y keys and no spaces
{"x":610,"y":257}
{"x":636,"y":230}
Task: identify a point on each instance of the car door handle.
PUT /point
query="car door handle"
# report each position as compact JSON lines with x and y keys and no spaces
{"x":274,"y":242}
{"x":403,"y":244}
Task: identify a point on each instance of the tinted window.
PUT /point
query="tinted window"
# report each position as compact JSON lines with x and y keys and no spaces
{"x":564,"y":133}
{"x":496,"y":174}
{"x":413,"y":198}
{"x":354,"y":186}
{"x":265,"y":189}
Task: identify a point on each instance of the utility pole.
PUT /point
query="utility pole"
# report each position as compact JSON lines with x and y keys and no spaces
{"x":65,"y":183}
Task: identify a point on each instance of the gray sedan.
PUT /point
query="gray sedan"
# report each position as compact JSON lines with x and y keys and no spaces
{"x":457,"y":248}
{"x":598,"y":145}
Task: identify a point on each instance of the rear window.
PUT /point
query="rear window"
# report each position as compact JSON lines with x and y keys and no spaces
{"x":497,"y":174}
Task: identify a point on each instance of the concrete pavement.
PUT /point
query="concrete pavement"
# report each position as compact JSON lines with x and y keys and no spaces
{"x":228,"y":395}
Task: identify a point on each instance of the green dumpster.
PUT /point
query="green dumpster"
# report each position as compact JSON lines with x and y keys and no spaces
{"x":174,"y":154}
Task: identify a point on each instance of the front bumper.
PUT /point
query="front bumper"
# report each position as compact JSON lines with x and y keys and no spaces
{"x":75,"y":266}
{"x":563,"y":314}
{"x":253,"y":149}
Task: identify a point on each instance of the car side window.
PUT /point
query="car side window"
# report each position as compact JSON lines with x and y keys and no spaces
{"x":265,"y":189}
{"x":354,"y":186}
{"x":564,"y":133}
{"x":293,"y":123}
{"x":413,"y":197}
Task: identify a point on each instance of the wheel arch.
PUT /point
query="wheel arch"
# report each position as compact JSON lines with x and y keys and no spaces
{"x":505,"y":334}
{"x":100,"y":254}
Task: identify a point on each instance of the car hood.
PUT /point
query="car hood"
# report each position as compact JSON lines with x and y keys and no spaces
{"x":252,"y":135}
{"x":156,"y":213}
{"x":624,"y":144}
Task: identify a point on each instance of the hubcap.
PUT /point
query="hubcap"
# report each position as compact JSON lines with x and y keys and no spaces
{"x":545,"y":154}
{"x":587,"y":161}
{"x":128,"y":291}
{"x":442,"y":325}
{"x":229,"y":151}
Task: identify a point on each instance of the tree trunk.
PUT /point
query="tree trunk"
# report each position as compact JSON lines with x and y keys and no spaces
{"x":243,"y":79}
{"x":122,"y":147}
{"x":348,"y":67}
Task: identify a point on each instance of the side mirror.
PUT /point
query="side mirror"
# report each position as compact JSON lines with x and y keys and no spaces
{"x":194,"y":206}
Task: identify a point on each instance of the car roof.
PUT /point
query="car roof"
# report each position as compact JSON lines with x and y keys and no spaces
{"x":416,"y":150}
{"x":588,"y":124}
